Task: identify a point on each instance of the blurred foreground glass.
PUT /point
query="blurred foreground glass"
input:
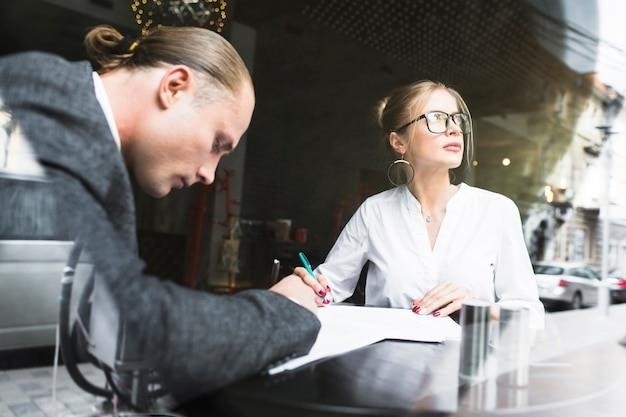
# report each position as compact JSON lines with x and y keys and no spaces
{"x":474,"y":340}
{"x":513,"y":346}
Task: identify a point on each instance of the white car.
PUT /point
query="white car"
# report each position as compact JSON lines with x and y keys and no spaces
{"x":30,"y":284}
{"x":572,"y":284}
{"x":617,"y":285}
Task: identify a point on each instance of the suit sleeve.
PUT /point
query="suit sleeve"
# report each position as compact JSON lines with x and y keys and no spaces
{"x":198,"y":342}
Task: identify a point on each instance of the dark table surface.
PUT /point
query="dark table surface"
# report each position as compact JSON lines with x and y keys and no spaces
{"x":577,"y":368}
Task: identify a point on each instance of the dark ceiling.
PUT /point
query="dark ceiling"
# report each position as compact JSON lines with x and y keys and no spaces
{"x":486,"y":48}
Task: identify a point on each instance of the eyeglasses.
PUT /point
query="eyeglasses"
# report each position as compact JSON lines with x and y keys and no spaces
{"x":438,"y":121}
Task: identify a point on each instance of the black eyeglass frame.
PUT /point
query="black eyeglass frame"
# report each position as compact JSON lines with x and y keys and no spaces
{"x":425,"y":116}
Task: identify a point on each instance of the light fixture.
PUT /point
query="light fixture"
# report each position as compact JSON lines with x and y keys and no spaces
{"x":210,"y":14}
{"x":506,"y":162}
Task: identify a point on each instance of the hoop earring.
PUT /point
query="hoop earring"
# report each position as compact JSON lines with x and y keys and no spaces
{"x":398,"y":170}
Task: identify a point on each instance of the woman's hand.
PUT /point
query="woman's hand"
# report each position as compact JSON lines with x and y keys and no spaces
{"x":297,"y":291}
{"x":320,"y":285}
{"x":441,"y":300}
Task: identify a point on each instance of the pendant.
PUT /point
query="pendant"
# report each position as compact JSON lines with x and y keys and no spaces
{"x":428,"y":218}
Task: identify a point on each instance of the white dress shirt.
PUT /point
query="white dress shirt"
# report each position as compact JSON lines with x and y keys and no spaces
{"x":480,"y":247}
{"x":103,"y":99}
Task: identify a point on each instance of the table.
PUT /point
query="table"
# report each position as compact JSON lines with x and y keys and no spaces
{"x":577,"y":369}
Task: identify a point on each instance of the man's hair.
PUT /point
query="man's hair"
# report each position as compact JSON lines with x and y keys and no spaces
{"x":204,"y":51}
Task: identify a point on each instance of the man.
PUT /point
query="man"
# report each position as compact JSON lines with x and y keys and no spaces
{"x":167,"y":106}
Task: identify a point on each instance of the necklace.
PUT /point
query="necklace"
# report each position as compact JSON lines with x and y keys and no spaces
{"x":428,"y":217}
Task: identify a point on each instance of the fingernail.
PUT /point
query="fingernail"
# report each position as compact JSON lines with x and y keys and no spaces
{"x":436,"y":313}
{"x":327,"y":288}
{"x":416,"y":309}
{"x":326,"y":301}
{"x":321,"y":293}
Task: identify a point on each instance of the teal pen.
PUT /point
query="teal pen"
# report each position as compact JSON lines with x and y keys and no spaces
{"x":306,"y":264}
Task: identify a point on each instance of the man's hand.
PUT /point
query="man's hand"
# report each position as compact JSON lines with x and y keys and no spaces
{"x":297,"y":291}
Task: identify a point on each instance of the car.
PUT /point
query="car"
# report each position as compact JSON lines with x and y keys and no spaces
{"x":567,"y":283}
{"x":617,"y":284}
{"x":30,"y":284}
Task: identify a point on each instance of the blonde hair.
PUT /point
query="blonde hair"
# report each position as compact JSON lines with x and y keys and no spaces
{"x":202,"y":50}
{"x":404,"y":103}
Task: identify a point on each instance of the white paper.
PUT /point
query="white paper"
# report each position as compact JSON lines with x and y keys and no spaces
{"x":346,"y":328}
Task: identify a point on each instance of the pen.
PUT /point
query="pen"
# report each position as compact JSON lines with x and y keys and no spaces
{"x":307,"y":265}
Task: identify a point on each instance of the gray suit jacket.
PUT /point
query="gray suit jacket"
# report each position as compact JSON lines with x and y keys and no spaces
{"x":197,"y":341}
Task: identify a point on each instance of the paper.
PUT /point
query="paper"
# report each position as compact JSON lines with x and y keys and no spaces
{"x":346,"y":328}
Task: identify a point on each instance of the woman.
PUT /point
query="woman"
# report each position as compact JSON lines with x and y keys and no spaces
{"x":431,"y":243}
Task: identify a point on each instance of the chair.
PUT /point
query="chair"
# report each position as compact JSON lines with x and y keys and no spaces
{"x":358,"y":296}
{"x":99,"y":336}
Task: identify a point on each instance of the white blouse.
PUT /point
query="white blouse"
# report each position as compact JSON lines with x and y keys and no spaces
{"x":480,"y":247}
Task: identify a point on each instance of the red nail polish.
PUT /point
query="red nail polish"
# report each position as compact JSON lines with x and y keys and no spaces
{"x":321,"y":293}
{"x":416,"y":309}
{"x":327,"y":288}
{"x":436,"y":313}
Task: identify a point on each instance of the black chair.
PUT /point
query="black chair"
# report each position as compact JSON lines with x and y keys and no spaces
{"x":358,"y":296}
{"x":99,"y":337}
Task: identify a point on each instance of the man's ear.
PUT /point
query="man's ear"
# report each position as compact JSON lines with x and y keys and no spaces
{"x":175,"y":83}
{"x":397,"y":144}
